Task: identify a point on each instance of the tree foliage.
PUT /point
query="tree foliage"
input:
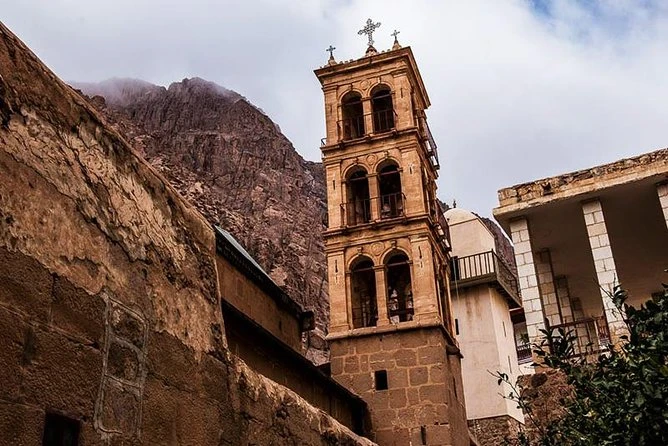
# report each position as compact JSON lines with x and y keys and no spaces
{"x":619,"y":398}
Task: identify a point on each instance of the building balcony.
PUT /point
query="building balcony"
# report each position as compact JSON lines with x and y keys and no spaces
{"x":590,"y":336}
{"x":362,"y":211}
{"x":486,"y":267}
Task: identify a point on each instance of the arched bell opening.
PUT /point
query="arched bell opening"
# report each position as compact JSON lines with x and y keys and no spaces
{"x":363,"y":293}
{"x":358,"y":206}
{"x":389,"y":188}
{"x":352,"y":112}
{"x":383,"y":110}
{"x":399,"y":288}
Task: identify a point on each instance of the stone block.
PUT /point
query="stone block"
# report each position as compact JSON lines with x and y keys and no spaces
{"x":383,"y":419}
{"x":438,"y":435}
{"x":351,"y":364}
{"x":62,"y":375}
{"x":26,"y":284}
{"x":398,"y":378}
{"x":431,"y":355}
{"x":437,"y":374}
{"x":17,"y":347}
{"x":362,"y":383}
{"x":371,"y":344}
{"x":120,"y":408}
{"x":123,"y":362}
{"x":398,"y":398}
{"x":77,"y":312}
{"x":127,"y":325}
{"x":20,"y":424}
{"x":433,"y":393}
{"x":406,"y":358}
{"x":419,"y":376}
{"x":413,"y":396}
{"x":413,"y":340}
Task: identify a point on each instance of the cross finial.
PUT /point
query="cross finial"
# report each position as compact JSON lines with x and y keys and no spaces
{"x":395,"y":34}
{"x":396,"y":45}
{"x":369,"y":29}
{"x":331,"y":51}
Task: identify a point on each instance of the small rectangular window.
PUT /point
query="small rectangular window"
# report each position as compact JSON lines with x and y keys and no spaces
{"x":456,"y":326}
{"x":60,"y":430}
{"x":381,"y":379}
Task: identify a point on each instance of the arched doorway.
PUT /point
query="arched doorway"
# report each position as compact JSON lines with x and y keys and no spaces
{"x":363,"y":293}
{"x":389,"y":188}
{"x":399,"y":288}
{"x":358,"y":207}
{"x":383,"y":111}
{"x":352,"y":113}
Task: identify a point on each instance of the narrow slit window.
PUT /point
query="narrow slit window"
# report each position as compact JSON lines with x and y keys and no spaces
{"x":380,"y":378}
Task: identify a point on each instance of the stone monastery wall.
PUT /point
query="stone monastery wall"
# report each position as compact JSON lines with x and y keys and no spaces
{"x":110,"y":318}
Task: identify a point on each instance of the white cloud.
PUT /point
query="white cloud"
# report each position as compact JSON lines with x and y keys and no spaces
{"x":515,"y":95}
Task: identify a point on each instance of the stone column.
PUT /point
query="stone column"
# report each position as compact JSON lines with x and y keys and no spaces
{"x":374,"y":195}
{"x":368,"y":116}
{"x":604,"y":264}
{"x":381,"y":295}
{"x":662,"y":190}
{"x":564,"y":299}
{"x":548,"y":292}
{"x":528,"y":282}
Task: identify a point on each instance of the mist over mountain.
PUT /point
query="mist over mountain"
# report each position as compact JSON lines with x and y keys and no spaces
{"x":232,"y":162}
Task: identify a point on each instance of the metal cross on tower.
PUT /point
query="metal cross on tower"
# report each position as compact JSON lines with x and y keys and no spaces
{"x":331,"y":51}
{"x":395,"y":34}
{"x":369,"y":29}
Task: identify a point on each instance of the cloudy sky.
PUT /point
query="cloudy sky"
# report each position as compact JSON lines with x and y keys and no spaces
{"x":520,"y":89}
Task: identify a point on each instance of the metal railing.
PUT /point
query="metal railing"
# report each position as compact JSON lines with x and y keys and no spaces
{"x":392,"y":205}
{"x":383,"y":120}
{"x":590,"y":336}
{"x":441,"y":226}
{"x":358,"y":212}
{"x":478,"y":267}
{"x":351,"y":128}
{"x":365,"y":315}
{"x":523,"y":353}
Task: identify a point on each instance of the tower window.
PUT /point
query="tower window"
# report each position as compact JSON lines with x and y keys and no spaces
{"x":352,"y":112}
{"x":380,"y":379}
{"x":399,"y":289}
{"x":363,"y":297}
{"x":358,"y":207}
{"x":60,"y":431}
{"x":383,"y":111}
{"x":391,"y":197}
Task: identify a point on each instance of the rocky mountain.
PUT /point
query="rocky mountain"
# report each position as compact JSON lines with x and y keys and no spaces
{"x":232,"y":162}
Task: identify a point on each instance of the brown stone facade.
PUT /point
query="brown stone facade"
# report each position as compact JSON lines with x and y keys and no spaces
{"x":423,"y":402}
{"x":544,"y":392}
{"x":493,"y":431}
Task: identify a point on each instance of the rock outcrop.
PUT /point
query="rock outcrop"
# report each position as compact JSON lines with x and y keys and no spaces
{"x":232,"y":162}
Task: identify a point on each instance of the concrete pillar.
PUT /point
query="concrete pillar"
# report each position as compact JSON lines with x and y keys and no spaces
{"x":604,"y":264}
{"x":381,"y":295}
{"x":548,"y":292}
{"x":662,"y":190}
{"x":564,"y":299}
{"x":528,"y":282}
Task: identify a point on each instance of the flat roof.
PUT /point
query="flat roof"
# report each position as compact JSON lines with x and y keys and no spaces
{"x":515,"y":200}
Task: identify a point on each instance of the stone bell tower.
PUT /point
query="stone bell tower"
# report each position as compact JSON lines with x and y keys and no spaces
{"x":387,"y":247}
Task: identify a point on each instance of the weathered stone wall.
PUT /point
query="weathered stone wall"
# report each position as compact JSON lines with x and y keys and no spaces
{"x":109,"y":310}
{"x":424,"y":400}
{"x":544,"y":392}
{"x":494,"y":431}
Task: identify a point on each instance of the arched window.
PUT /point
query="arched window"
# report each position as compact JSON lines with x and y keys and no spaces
{"x":383,"y":112}
{"x":389,"y":188}
{"x":399,"y":288}
{"x":363,"y":297}
{"x":353,"y":116}
{"x":358,"y":207}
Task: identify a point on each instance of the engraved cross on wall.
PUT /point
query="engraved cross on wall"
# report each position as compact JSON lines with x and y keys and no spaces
{"x":369,"y":29}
